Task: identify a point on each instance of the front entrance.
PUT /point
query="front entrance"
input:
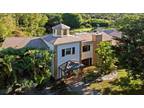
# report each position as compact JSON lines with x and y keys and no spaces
{"x":68,"y":68}
{"x":87,"y":62}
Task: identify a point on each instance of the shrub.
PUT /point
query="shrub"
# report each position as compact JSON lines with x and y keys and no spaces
{"x":18,"y":65}
{"x":89,"y":69}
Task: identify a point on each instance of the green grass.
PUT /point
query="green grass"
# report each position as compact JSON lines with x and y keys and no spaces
{"x":122,"y":85}
{"x":81,"y":30}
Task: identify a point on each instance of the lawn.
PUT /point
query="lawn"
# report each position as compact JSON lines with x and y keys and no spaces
{"x":81,"y":30}
{"x":122,"y":85}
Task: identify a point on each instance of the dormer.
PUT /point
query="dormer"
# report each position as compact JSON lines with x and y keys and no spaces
{"x":61,"y":30}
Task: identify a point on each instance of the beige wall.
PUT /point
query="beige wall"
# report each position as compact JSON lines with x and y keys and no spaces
{"x":88,"y":54}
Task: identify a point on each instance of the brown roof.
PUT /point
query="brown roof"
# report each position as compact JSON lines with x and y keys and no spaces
{"x":86,"y":38}
{"x":15,"y":42}
{"x":56,"y":40}
{"x":106,"y":37}
{"x":66,"y":39}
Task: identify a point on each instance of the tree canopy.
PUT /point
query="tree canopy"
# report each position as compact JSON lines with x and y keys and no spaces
{"x":131,"y":46}
{"x":105,"y":58}
{"x":72,"y":20}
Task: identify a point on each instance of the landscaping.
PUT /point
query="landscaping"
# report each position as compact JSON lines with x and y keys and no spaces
{"x":24,"y":69}
{"x":122,"y":85}
{"x":116,"y":56}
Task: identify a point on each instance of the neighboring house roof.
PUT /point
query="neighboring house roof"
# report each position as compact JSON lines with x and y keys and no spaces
{"x":61,"y":26}
{"x":15,"y":42}
{"x":56,"y":40}
{"x":113,"y":33}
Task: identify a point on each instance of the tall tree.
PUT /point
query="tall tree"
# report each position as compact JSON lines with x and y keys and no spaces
{"x":105,"y":58}
{"x":54,"y":19}
{"x":131,"y":46}
{"x":72,"y":20}
{"x":31,"y":24}
{"x":7,"y":26}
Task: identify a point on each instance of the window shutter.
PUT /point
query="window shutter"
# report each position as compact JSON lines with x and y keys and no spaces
{"x":73,"y":50}
{"x":63,"y":52}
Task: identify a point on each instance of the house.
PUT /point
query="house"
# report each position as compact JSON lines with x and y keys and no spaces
{"x":70,"y":51}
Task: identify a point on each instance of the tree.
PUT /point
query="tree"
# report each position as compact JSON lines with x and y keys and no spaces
{"x":72,"y":20}
{"x":31,"y":24}
{"x":7,"y":26}
{"x":54,"y":19}
{"x":131,"y":45}
{"x":105,"y":58}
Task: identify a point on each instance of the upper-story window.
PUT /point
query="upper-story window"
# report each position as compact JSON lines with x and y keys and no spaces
{"x":68,"y":51}
{"x":86,"y":48}
{"x":73,"y":50}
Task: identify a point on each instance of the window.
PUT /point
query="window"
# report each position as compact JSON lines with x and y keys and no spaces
{"x":63,"y":52}
{"x":68,"y":51}
{"x":87,"y":62}
{"x":86,"y":48}
{"x":73,"y":50}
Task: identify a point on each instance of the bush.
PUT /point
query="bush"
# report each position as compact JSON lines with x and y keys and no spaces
{"x":18,"y":65}
{"x":89,"y":69}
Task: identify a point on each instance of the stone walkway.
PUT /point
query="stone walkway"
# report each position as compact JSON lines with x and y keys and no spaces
{"x":77,"y":85}
{"x":82,"y":89}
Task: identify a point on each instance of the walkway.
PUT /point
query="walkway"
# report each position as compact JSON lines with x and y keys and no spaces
{"x":77,"y":85}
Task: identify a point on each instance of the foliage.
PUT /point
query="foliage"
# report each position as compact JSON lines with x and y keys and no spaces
{"x":38,"y":24}
{"x":17,"y":65}
{"x":131,"y":45}
{"x":53,"y":19}
{"x":72,"y":20}
{"x":122,"y":85}
{"x":7,"y":26}
{"x":89,"y":69}
{"x":31,"y":24}
{"x":106,"y":58}
{"x":99,"y":22}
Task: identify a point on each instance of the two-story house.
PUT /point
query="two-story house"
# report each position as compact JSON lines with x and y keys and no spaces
{"x":70,"y":51}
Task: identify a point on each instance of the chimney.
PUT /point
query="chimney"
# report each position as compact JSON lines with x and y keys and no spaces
{"x":96,"y":38}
